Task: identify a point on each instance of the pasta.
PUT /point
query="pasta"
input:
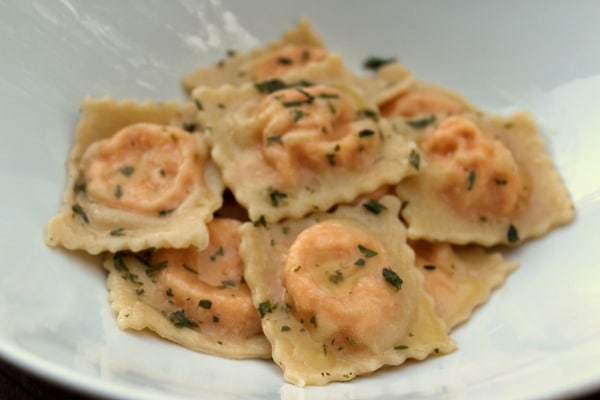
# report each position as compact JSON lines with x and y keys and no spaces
{"x":295,"y":210}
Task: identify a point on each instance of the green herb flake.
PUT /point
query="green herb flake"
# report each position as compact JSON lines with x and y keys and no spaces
{"x":337,"y":277}
{"x":500,"y":181}
{"x":164,"y":213}
{"x":189,"y":268}
{"x":421,"y":123}
{"x":118,"y":192}
{"x":151,"y":269}
{"x":139,"y":291}
{"x":78,"y":210}
{"x":205,"y":303}
{"x":374,"y":63}
{"x":330,"y":159}
{"x":285,"y":328}
{"x":264,"y":308}
{"x":118,"y":232}
{"x":401,"y":347}
{"x":189,"y":126}
{"x":374,"y":206}
{"x":415,"y":159}
{"x":228,"y":283}
{"x":313,"y":321}
{"x":215,"y":319}
{"x":513,"y":234}
{"x":391,"y":277}
{"x":274,"y":139}
{"x":367,"y":113}
{"x":276,"y":197}
{"x":471,"y":180}
{"x":366,"y":133}
{"x":366,"y":251}
{"x":360,"y":262}
{"x":260,"y":222}
{"x":169,"y":292}
{"x":429,"y":267}
{"x":284,"y":61}
{"x":180,"y":320}
{"x":218,"y":253}
{"x":199,"y":105}
{"x":127,"y":170}
{"x":298,"y":115}
{"x":80,"y":187}
{"x":270,"y":86}
{"x":118,"y":261}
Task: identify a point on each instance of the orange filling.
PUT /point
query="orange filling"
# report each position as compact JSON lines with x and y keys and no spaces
{"x":421,"y":101}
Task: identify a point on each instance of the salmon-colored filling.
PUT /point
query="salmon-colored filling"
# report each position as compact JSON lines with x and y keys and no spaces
{"x":144,"y":168}
{"x":208,"y":285}
{"x":421,"y":101}
{"x":475,"y":174}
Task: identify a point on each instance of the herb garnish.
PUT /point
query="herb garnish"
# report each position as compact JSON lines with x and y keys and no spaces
{"x":271,"y":85}
{"x":284,"y":61}
{"x":199,"y":105}
{"x":117,"y":232}
{"x":180,"y":320}
{"x":164,"y":213}
{"x":471,"y":180}
{"x":374,"y":63}
{"x":366,"y":133}
{"x":264,"y":308}
{"x":401,"y":347}
{"x":421,"y":123}
{"x":374,"y":206}
{"x":391,"y":277}
{"x":360,"y":262}
{"x":429,"y":267}
{"x":219,"y":252}
{"x":337,"y":277}
{"x":274,"y":139}
{"x":118,"y":192}
{"x":78,"y":210}
{"x":285,"y":328}
{"x":367,"y":113}
{"x":276,"y":197}
{"x":189,"y":126}
{"x":513,"y":234}
{"x":205,"y":303}
{"x":127,"y":170}
{"x":366,"y":251}
{"x":415,"y":159}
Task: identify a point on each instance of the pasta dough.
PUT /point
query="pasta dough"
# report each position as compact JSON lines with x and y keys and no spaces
{"x":286,"y":149}
{"x":136,"y":179}
{"x":192,"y":297}
{"x":339,"y":295}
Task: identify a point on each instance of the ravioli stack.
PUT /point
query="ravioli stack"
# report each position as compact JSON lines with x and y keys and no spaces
{"x":296,"y":211}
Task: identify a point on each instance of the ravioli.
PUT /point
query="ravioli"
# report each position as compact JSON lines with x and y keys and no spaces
{"x":193,"y":297}
{"x":139,"y":176}
{"x":289,"y":148}
{"x":459,"y":278}
{"x":339,"y":295}
{"x":297,"y":48}
{"x":485,"y":180}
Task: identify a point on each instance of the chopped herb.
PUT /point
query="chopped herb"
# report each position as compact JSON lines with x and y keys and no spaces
{"x":231,"y":53}
{"x":271,"y":85}
{"x":297,"y":268}
{"x":205,"y":303}
{"x":285,"y":328}
{"x":150,"y":269}
{"x":127,"y":170}
{"x":274,"y":139}
{"x":500,"y":181}
{"x":366,"y":133}
{"x":287,"y":308}
{"x":331,"y":107}
{"x":392,"y":278}
{"x":330,"y":159}
{"x":276,"y":196}
{"x":189,"y":268}
{"x":215,"y":319}
{"x":366,"y":251}
{"x":313,"y":321}
{"x":298,"y":115}
{"x":79,"y":187}
{"x":78,"y":210}
{"x":139,"y":291}
{"x":261,"y":221}
{"x":337,"y":277}
{"x":374,"y":206}
{"x":513,"y":234}
{"x":189,"y":126}
{"x":180,"y":320}
{"x":162,"y":172}
{"x":169,"y":292}
{"x":164,"y":213}
{"x":117,"y":232}
{"x":328,"y":96}
{"x":199,"y":105}
{"x":421,"y":123}
{"x":228,"y":283}
{"x":221,"y":106}
{"x":219,"y":252}
{"x":293,"y":103}
{"x":284,"y":61}
{"x":285,"y":230}
{"x":400,"y":347}
{"x":264,"y":308}
{"x":415,"y":159}
{"x":374,"y":63}
{"x":360,"y":262}
{"x":118,"y":261}
{"x":471,"y":180}
{"x":429,"y":267}
{"x":482,"y":218}
{"x":118,"y":192}
{"x":367,"y":113}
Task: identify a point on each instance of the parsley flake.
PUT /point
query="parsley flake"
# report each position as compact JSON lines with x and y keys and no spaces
{"x":180,"y":320}
{"x":366,"y":251}
{"x":205,"y":303}
{"x":421,"y":123}
{"x":513,"y":234}
{"x":374,"y":63}
{"x":374,"y":206}
{"x":391,"y":277}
